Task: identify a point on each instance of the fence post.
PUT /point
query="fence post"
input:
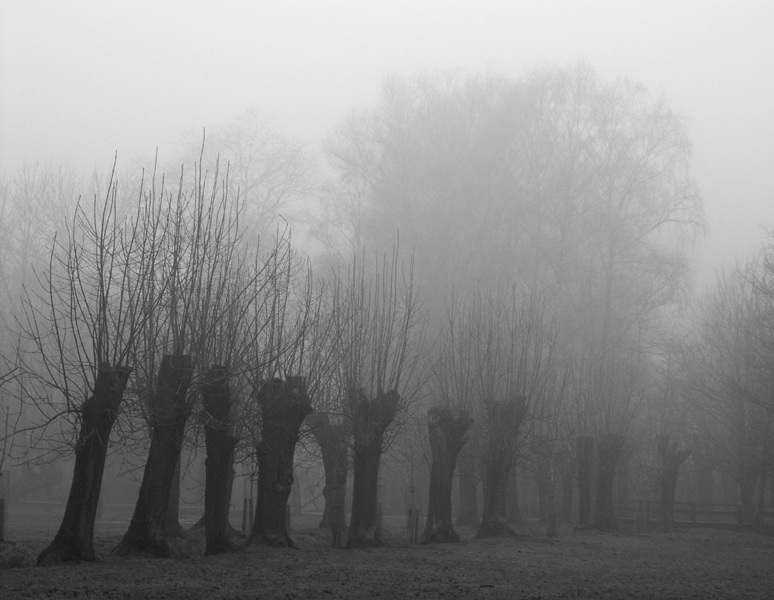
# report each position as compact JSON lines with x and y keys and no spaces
{"x":2,"y":509}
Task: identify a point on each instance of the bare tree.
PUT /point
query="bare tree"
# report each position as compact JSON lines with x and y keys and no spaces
{"x":450,"y":422}
{"x":268,"y":171}
{"x":515,"y":350}
{"x":83,"y":323}
{"x":206,"y":273}
{"x":380,"y":337}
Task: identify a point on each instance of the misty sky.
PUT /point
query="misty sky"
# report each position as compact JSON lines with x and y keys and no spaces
{"x":82,"y":80}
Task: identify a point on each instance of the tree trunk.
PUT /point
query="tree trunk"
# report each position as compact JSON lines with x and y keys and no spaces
{"x":370,"y":419}
{"x":447,"y":437}
{"x":284,"y":406}
{"x":216,"y":396}
{"x":567,"y":482}
{"x":332,"y":440}
{"x":585,"y":458}
{"x":765,"y":462}
{"x":544,"y":452}
{"x":506,"y":418}
{"x":610,"y":448}
{"x":468,"y":488}
{"x":172,"y":527}
{"x":75,"y":538}
{"x":670,"y":458}
{"x":704,"y":466}
{"x":169,"y":411}
{"x":513,"y":508}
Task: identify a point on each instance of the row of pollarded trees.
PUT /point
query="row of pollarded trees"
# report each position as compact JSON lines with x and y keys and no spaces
{"x":577,"y":190}
{"x":147,"y":312}
{"x":724,"y":368}
{"x":152,"y":312}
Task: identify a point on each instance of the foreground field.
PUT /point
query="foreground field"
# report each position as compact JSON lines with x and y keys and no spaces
{"x":688,"y":564}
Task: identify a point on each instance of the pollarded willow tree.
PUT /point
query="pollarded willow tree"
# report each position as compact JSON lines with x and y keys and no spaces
{"x":449,"y":423}
{"x":84,"y":324}
{"x":298,"y":340}
{"x":377,"y":315}
{"x":514,"y":352}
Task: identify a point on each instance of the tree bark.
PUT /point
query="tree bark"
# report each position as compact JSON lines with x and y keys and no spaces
{"x":169,"y":412}
{"x":284,"y":406}
{"x":220,"y":444}
{"x":567,"y":482}
{"x":447,"y":437}
{"x":172,"y":527}
{"x":544,"y":453}
{"x":670,"y":458}
{"x":506,"y":418}
{"x":467,"y":512}
{"x":370,"y":419}
{"x":585,"y":461}
{"x":75,"y":538}
{"x":610,"y":448}
{"x":513,"y":508}
{"x":332,"y":440}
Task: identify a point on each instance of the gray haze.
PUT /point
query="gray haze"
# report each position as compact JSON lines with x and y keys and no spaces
{"x":82,"y":80}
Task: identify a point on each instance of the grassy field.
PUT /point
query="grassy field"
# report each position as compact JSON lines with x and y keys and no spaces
{"x":687,"y":564}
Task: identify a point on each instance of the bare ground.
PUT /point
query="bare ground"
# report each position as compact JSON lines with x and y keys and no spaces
{"x":698,"y":563}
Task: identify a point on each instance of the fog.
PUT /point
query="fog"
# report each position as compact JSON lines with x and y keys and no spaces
{"x":84,"y":80}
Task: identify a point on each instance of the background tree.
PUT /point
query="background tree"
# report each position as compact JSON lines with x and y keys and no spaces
{"x":271,"y":173}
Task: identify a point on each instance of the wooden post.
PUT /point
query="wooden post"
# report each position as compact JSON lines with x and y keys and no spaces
{"x":2,"y":509}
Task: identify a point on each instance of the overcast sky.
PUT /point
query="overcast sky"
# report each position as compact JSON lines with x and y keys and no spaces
{"x":82,"y":80}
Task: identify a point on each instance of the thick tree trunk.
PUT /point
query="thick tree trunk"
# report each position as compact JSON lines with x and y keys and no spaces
{"x":621,"y":490}
{"x":567,"y":482}
{"x":544,"y":454}
{"x":447,"y":437}
{"x":670,"y":458}
{"x":332,"y":440}
{"x":585,"y":461}
{"x":172,"y":527}
{"x":220,"y":445}
{"x":370,"y":419}
{"x":513,"y":508}
{"x":284,"y":406}
{"x":505,"y":419}
{"x":610,"y":447}
{"x":703,"y":472}
{"x":467,"y":512}
{"x":75,"y":538}
{"x":169,"y":412}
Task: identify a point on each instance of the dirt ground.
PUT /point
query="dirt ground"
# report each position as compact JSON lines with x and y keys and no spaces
{"x":698,"y":563}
